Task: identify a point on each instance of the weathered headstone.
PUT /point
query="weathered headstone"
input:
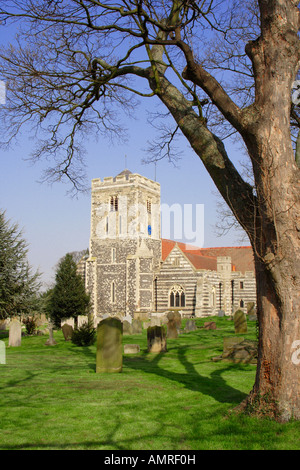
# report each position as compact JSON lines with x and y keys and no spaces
{"x":15,"y":333}
{"x":51,"y":341}
{"x":127,"y":328}
{"x":67,"y":331}
{"x":229,"y":342}
{"x":190,"y":325}
{"x":156,"y":337}
{"x":109,"y":357}
{"x":238,"y":350}
{"x":221,"y":313}
{"x":172,"y":329}
{"x":251,"y":310}
{"x":136,"y":327}
{"x":240,"y":322}
{"x":2,"y":353}
{"x":210,"y":325}
{"x":175,"y":315}
{"x":131,"y":348}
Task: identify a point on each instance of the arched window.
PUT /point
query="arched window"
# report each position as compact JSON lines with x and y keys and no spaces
{"x":177,"y":297}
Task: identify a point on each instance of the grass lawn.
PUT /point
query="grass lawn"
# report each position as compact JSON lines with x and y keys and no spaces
{"x":51,"y":398}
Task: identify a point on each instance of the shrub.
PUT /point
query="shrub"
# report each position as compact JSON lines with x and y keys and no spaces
{"x":30,"y":325}
{"x":85,"y":335}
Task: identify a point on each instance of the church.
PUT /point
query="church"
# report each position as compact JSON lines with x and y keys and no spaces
{"x":130,"y":269}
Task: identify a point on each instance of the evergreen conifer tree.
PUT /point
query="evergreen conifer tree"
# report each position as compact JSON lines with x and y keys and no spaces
{"x":18,"y":284}
{"x":68,"y":298}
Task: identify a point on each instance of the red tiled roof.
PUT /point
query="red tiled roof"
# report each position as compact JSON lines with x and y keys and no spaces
{"x":202,"y":262}
{"x":206,"y":258}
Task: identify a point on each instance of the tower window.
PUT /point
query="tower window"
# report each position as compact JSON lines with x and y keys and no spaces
{"x":113,"y":255}
{"x":113,"y":293}
{"x":114,"y":204}
{"x":241,"y":285}
{"x":149,"y":207}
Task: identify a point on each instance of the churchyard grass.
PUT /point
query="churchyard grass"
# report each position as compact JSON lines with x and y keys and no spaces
{"x":52,"y":398}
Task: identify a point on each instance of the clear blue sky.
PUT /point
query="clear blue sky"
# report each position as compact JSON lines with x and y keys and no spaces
{"x":54,"y":223}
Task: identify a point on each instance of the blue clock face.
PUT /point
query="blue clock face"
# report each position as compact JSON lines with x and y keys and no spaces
{"x":149,"y":229}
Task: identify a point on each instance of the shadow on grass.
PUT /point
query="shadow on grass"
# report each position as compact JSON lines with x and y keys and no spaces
{"x":214,"y":385}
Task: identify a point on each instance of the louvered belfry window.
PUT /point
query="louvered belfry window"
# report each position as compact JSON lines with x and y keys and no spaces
{"x":114,"y":204}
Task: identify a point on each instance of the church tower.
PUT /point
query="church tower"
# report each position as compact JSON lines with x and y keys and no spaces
{"x":125,"y":243}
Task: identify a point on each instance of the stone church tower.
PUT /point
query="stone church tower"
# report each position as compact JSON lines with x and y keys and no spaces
{"x":125,"y":244}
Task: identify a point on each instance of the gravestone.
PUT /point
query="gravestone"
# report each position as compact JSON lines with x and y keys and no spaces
{"x":50,"y":341}
{"x":229,"y":342}
{"x":221,"y":313}
{"x":251,"y":310}
{"x":137,"y":327}
{"x":176,"y":316}
{"x":238,"y":350}
{"x":127,"y":328}
{"x":156,"y":337}
{"x":131,"y":348}
{"x":190,"y":325}
{"x":172,"y":329}
{"x":210,"y":325}
{"x":2,"y":353}
{"x":109,"y":357}
{"x":15,"y":333}
{"x":67,"y":331}
{"x":240,"y":322}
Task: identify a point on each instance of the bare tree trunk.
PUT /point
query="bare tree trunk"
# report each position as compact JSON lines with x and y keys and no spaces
{"x":276,"y":242}
{"x":276,"y":389}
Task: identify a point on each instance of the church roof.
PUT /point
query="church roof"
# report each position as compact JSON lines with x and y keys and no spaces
{"x":206,"y":258}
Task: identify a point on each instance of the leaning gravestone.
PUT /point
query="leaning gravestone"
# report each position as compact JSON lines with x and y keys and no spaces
{"x":240,"y":322}
{"x":251,"y":308}
{"x":67,"y":331}
{"x":238,"y":350}
{"x":156,"y":337}
{"x":15,"y":333}
{"x":109,"y":357}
